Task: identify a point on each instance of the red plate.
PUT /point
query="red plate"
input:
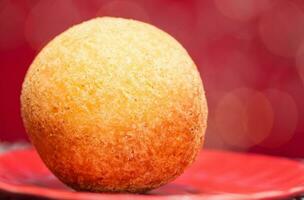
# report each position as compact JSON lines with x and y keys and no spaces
{"x":215,"y":175}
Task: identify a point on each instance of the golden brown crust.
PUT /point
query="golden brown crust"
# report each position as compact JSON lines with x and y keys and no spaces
{"x":114,"y":105}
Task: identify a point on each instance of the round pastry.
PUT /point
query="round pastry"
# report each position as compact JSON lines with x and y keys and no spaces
{"x":114,"y":105}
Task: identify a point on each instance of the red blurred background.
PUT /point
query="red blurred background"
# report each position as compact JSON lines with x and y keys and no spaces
{"x":250,"y":55}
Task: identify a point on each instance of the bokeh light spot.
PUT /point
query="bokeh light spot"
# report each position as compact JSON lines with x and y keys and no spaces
{"x":285,"y":118}
{"x":242,"y":10}
{"x":244,"y":118}
{"x":282,"y":29}
{"x":300,"y":61}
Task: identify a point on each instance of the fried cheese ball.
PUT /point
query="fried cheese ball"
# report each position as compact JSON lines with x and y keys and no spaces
{"x":114,"y":105}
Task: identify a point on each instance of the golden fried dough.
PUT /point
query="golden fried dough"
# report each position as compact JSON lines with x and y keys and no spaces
{"x":114,"y":105}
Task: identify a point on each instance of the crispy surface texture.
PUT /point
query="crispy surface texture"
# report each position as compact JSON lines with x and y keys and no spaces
{"x":114,"y":105}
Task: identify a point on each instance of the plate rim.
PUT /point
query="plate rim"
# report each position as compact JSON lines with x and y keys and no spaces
{"x":65,"y":195}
